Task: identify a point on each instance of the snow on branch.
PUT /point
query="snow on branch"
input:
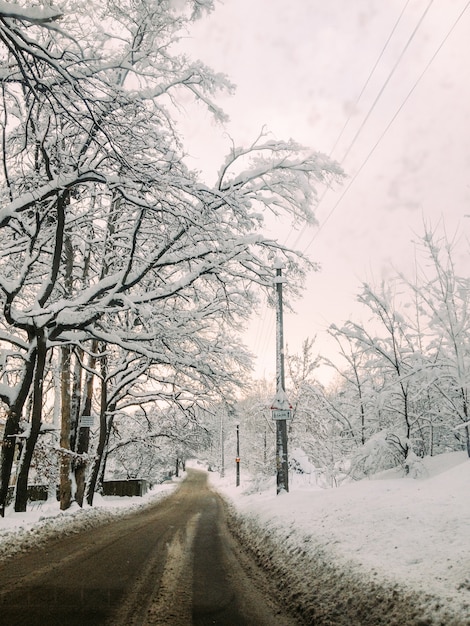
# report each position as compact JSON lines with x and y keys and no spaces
{"x":13,"y":340}
{"x":281,"y":175}
{"x":33,"y":15}
{"x":56,"y":185}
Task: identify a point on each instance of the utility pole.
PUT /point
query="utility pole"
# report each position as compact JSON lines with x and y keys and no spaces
{"x":281,"y":408}
{"x":237,"y":460}
{"x":222,"y":437}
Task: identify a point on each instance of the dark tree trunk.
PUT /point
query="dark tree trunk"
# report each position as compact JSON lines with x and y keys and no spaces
{"x":100,"y":449}
{"x":12,"y":425}
{"x":80,"y":465}
{"x":75,"y":399}
{"x":65,"y":484}
{"x":21,"y":499}
{"x":8,"y":456}
{"x":106,"y":450}
{"x":99,"y":460}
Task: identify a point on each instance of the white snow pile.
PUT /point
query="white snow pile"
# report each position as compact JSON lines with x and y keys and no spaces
{"x":411,"y":531}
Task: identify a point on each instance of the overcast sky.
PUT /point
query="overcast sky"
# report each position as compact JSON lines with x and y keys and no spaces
{"x":300,"y":69}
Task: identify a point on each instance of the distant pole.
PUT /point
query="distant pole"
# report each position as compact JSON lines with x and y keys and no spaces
{"x":281,"y":424}
{"x":265,"y":452}
{"x":222,"y":457}
{"x":237,"y":461}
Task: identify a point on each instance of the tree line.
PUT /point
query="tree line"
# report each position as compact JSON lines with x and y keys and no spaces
{"x":401,"y":385}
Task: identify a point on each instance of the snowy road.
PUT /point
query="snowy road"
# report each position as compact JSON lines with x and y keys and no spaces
{"x":174,"y":563}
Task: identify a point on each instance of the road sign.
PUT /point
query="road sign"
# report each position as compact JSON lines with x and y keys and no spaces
{"x":281,"y":408}
{"x":281,"y":414}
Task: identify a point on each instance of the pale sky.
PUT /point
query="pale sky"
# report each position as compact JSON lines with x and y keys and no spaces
{"x":300,"y":68}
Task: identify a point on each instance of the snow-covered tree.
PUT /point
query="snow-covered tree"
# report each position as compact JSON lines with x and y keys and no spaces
{"x":393,"y":356}
{"x":445,"y":298}
{"x":356,"y":387}
{"x":101,"y":219}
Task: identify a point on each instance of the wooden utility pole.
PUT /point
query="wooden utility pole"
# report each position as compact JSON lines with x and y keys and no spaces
{"x":222,"y":437}
{"x":237,"y":460}
{"x":281,"y":409}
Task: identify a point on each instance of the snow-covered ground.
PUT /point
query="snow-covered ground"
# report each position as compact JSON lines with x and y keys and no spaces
{"x":411,"y":531}
{"x":414,"y":531}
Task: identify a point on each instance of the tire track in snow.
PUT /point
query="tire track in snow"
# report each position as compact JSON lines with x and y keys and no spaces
{"x":172,"y":605}
{"x":160,"y":595}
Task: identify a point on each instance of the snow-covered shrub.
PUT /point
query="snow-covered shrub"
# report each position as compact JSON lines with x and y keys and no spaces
{"x":377,"y":454}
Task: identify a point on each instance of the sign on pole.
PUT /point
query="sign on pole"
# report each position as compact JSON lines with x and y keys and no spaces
{"x":281,"y":408}
{"x":86,"y":421}
{"x":281,"y":414}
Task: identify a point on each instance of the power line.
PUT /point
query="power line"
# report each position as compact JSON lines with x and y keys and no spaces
{"x":389,"y":77}
{"x":261,"y":342}
{"x":459,"y":17}
{"x":361,"y":93}
{"x":371,"y":110}
{"x":371,"y":73}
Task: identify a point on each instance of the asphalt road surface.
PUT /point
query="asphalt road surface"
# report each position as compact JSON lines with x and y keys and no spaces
{"x":172,"y":564}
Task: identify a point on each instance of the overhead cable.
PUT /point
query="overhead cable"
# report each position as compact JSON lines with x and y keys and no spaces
{"x":459,"y":17}
{"x":358,"y":99}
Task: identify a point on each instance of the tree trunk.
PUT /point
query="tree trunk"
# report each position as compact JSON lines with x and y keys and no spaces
{"x":104,"y":409}
{"x":8,"y":456}
{"x":106,"y":449}
{"x":83,"y":437}
{"x":75,"y":399}
{"x":81,"y":465}
{"x":463,"y":393}
{"x":8,"y":447}
{"x":65,"y":482}
{"x":95,"y":470}
{"x":21,"y":499}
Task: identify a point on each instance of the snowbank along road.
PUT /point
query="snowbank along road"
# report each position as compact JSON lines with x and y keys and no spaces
{"x":190,"y":561}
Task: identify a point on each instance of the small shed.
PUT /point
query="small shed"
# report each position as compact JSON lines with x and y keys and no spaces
{"x":122,"y":488}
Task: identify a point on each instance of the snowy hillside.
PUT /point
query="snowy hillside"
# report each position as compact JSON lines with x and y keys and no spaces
{"x":411,"y":531}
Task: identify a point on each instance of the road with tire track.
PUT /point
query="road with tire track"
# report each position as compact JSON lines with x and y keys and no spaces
{"x":173,"y":564}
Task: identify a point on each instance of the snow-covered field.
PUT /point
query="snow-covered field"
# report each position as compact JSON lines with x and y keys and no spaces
{"x":411,"y":531}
